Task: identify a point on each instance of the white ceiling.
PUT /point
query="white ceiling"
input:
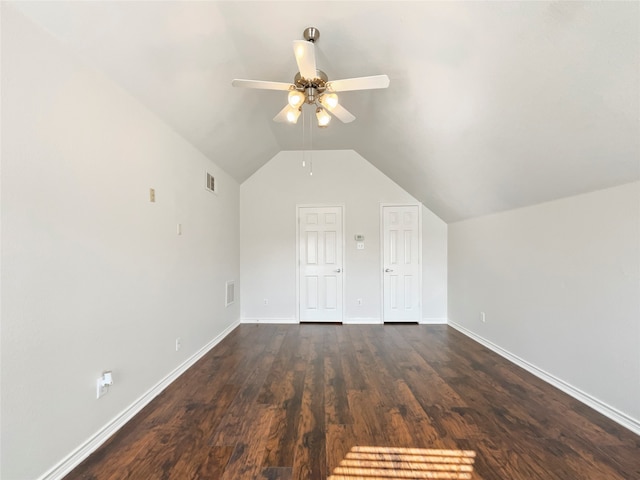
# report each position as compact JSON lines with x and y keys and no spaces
{"x":492,"y":105}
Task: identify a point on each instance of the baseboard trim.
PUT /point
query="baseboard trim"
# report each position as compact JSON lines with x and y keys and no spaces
{"x":433,"y":321}
{"x":589,"y":400}
{"x":71,"y":461}
{"x":284,"y":320}
{"x":362,"y":321}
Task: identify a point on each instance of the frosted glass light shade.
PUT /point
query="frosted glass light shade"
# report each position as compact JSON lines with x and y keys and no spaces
{"x":323,"y":117}
{"x":329,"y":100}
{"x":293,"y":114}
{"x":296,"y":98}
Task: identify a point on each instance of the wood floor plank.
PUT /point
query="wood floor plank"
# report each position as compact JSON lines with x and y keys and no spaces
{"x":336,"y":402}
{"x":272,"y":392}
{"x":210,"y":462}
{"x":310,"y":449}
{"x":353,"y":374}
{"x":399,"y":421}
{"x":427,"y":384}
{"x":234,"y":425}
{"x":276,"y":473}
{"x":368,"y":424}
{"x":421,"y":427}
{"x":246,"y":459}
{"x":196,"y":456}
{"x":289,"y":402}
{"x":339,"y":440}
{"x":283,"y":435}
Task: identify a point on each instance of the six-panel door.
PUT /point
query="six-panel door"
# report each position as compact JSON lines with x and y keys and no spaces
{"x":401,"y":263}
{"x":321,"y":264}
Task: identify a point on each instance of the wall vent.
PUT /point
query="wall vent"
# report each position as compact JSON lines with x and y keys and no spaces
{"x":230,"y":293}
{"x":211,"y":183}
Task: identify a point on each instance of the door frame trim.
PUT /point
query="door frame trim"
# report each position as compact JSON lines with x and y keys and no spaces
{"x":297,"y":248}
{"x":382,"y":205}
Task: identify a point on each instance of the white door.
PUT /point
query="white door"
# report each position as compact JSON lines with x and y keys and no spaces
{"x":401,"y":247}
{"x":320,"y":272}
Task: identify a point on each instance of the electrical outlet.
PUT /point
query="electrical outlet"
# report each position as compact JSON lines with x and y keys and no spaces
{"x":266,"y":301}
{"x":483,"y":317}
{"x":152,"y":195}
{"x":102,"y":389}
{"x":359,"y":301}
{"x":178,"y":343}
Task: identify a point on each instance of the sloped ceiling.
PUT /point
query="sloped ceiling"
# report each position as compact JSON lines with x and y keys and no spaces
{"x":492,"y":105}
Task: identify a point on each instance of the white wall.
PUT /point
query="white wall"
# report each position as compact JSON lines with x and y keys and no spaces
{"x":94,"y":276}
{"x":268,"y":202}
{"x":434,"y":272}
{"x":560,"y":285}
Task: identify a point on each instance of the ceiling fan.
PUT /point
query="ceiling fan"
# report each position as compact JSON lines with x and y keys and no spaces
{"x":313,"y":87}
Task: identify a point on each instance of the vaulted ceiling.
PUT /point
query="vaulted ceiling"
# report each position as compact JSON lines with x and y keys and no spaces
{"x":491,"y":106}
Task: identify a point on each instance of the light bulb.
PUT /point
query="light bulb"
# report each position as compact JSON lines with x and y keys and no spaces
{"x":296,"y":98}
{"x":329,"y":100}
{"x":293,"y":114}
{"x":323,"y":117}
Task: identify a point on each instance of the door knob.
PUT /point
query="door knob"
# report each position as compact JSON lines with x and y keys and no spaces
{"x":338,"y":270}
{"x":388,"y":270}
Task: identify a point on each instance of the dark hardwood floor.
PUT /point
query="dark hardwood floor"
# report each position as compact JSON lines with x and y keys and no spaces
{"x":307,"y":402}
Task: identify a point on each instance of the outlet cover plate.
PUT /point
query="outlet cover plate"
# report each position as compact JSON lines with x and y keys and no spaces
{"x":101,"y":390}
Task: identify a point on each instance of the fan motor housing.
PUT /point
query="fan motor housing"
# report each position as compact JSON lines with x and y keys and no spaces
{"x":320,"y":82}
{"x":311,"y":88}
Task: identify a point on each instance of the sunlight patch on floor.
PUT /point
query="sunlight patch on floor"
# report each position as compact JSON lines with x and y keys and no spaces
{"x":389,"y":463}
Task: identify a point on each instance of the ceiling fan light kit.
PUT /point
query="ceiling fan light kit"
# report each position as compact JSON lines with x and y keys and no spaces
{"x":293,"y":114}
{"x":312,"y":86}
{"x":323,"y":117}
{"x":296,"y":98}
{"x":329,"y":100}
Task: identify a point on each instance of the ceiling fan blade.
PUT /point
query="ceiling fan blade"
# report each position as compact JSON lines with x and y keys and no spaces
{"x":262,"y":85}
{"x":342,"y":114}
{"x":359,"y":83}
{"x":306,"y":58}
{"x":282,"y":116}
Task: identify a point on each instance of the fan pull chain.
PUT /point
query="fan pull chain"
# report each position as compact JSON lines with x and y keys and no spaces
{"x":310,"y":149}
{"x":304,"y":163}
